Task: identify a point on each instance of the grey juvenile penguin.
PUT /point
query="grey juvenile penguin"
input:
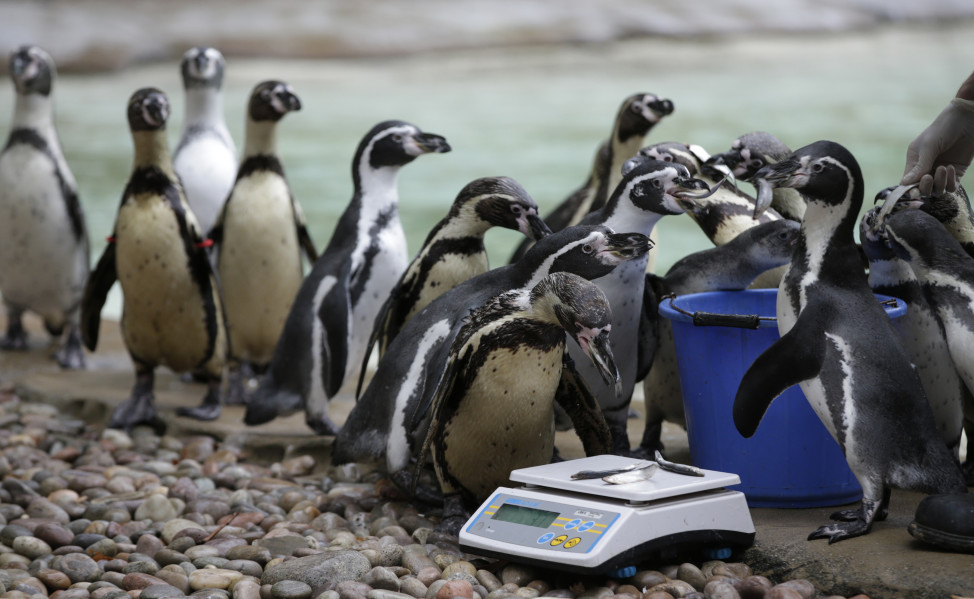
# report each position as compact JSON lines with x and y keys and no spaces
{"x":43,"y":240}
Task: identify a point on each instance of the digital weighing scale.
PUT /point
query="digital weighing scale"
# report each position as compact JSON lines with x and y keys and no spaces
{"x":593,"y":527}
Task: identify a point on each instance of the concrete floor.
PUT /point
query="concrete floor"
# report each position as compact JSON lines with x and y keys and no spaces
{"x":885,"y":563}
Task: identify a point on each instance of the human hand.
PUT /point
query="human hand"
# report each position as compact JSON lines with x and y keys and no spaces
{"x":947,"y":143}
{"x":943,"y":180}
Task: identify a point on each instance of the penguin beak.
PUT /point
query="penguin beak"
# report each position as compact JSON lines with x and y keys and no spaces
{"x":534,"y":227}
{"x":598,"y":350}
{"x":431,"y":143}
{"x":291,"y":100}
{"x":891,"y":198}
{"x":769,"y":177}
{"x":688,"y":190}
{"x":725,"y":164}
{"x":628,"y":246}
{"x":661,"y":106}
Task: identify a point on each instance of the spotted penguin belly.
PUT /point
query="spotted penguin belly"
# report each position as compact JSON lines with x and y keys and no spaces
{"x":505,"y":421}
{"x":163,"y":312}
{"x":259,"y":265}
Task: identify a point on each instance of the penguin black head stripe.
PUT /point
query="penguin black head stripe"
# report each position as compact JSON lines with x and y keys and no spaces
{"x":502,"y":202}
{"x":750,"y":153}
{"x":646,"y":182}
{"x":32,"y":71}
{"x":639,"y":112}
{"x":202,"y":67}
{"x":271,"y":100}
{"x":823,"y":171}
{"x":148,"y":110}
{"x":395,"y":143}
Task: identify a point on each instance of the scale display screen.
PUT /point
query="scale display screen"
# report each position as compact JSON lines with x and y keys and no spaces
{"x":518,"y":514}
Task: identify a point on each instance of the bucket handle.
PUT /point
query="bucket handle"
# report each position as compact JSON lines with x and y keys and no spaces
{"x":740,"y":321}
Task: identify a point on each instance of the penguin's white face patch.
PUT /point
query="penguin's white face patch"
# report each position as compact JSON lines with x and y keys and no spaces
{"x":643,"y":108}
{"x":205,"y":69}
{"x":405,"y":136}
{"x":277,"y":94}
{"x":150,"y":117}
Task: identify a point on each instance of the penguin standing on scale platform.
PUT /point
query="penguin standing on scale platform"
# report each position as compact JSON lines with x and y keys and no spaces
{"x":260,"y":235}
{"x":171,"y":311}
{"x":391,"y":418}
{"x":327,"y":330}
{"x":454,"y":250}
{"x":505,"y":368}
{"x":205,"y":158}
{"x":43,"y":240}
{"x":840,"y":346}
{"x":636,"y":117}
{"x":649,"y":190}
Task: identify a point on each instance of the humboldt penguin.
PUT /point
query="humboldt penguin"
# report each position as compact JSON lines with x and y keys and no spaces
{"x":454,"y":251}
{"x":327,"y":330}
{"x":493,"y":412}
{"x":43,"y":239}
{"x":839,"y":345}
{"x":635,"y":118}
{"x":751,"y":152}
{"x":649,"y":190}
{"x":946,"y":274}
{"x":205,"y":157}
{"x":391,"y":418}
{"x":171,"y":310}
{"x":259,"y":236}
{"x":732,"y":266}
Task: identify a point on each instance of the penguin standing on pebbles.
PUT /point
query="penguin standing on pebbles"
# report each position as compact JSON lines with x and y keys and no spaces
{"x":328,"y":328}
{"x":636,"y":117}
{"x":454,"y":250}
{"x":171,"y":312}
{"x":505,"y":368}
{"x":205,"y":158}
{"x":260,"y":235}
{"x":391,"y":418}
{"x":838,"y":344}
{"x":43,"y":240}
{"x":649,"y":190}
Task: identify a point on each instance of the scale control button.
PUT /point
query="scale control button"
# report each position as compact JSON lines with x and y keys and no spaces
{"x":572,"y":542}
{"x":558,"y":540}
{"x":546,"y":537}
{"x":572,"y":524}
{"x":585,"y":526}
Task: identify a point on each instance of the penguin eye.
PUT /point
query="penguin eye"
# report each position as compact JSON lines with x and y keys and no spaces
{"x":667,"y":158}
{"x":657,"y":183}
{"x":817,"y":167}
{"x":397,"y":138}
{"x":635,"y":107}
{"x":587,"y":248}
{"x":516,"y":209}
{"x":756,"y":163}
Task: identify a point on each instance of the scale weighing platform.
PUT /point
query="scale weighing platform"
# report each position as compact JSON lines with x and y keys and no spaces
{"x":592,"y":527}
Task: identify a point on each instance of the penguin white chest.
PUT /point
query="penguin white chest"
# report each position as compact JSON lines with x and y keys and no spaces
{"x":163,"y":310}
{"x":43,"y":264}
{"x":259,"y":264}
{"x":506,"y":419}
{"x":207,"y":167}
{"x":447,"y":273}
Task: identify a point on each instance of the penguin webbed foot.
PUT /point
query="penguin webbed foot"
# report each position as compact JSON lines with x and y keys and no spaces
{"x":239,"y":379}
{"x":853,"y":515}
{"x":323,"y":425}
{"x":70,"y":355}
{"x":16,"y":336}
{"x":854,"y":523}
{"x":209,"y":408}
{"x":455,"y":514}
{"x":839,"y":532}
{"x":138,"y":409}
{"x":422,"y":493}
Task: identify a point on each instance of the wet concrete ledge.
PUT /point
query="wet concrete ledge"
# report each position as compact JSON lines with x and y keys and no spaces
{"x":888,"y":562}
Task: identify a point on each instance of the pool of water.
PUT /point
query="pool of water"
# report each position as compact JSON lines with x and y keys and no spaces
{"x":537,"y":114}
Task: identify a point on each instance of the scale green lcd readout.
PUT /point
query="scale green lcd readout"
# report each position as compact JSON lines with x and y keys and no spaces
{"x":592,"y":526}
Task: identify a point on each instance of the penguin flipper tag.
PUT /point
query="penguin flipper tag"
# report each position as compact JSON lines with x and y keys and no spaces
{"x":583,"y":409}
{"x":335,"y":302}
{"x":97,"y":286}
{"x":648,"y":339}
{"x":790,"y":360}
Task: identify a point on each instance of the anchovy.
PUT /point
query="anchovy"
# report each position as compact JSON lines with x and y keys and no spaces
{"x":632,"y":476}
{"x":590,"y":474}
{"x":684,"y":469}
{"x":765,"y":193}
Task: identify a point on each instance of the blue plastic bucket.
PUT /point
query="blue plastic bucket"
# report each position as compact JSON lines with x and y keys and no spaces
{"x":791,"y":461}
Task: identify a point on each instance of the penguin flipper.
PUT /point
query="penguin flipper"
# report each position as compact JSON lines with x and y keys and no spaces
{"x":583,"y":409}
{"x":648,"y":339}
{"x":96,"y":290}
{"x":794,"y":358}
{"x":445,"y":389}
{"x":304,"y":238}
{"x":335,"y":303}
